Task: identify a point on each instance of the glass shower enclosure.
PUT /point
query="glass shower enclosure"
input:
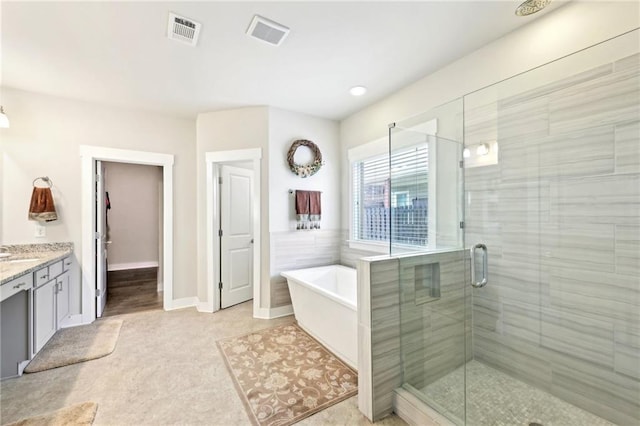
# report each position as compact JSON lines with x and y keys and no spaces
{"x":546,"y":187}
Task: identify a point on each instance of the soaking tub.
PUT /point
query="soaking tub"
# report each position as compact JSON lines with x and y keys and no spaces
{"x":325,"y":306}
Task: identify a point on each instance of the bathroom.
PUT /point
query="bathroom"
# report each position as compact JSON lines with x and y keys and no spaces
{"x":456,"y":97}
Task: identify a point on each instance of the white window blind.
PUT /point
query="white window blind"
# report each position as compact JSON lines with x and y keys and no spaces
{"x":391,"y":197}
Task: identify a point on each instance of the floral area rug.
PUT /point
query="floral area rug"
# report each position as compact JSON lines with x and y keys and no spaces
{"x":283,"y":375}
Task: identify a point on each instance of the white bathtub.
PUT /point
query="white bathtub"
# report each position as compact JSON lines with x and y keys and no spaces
{"x":325,"y":305}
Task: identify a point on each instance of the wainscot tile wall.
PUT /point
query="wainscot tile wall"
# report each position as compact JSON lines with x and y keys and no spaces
{"x":297,"y":250}
{"x":435,"y":315}
{"x":560,"y":214}
{"x":379,"y":362}
{"x":398,"y":322}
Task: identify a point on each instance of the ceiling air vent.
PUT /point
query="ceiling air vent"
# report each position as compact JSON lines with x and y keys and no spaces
{"x":267,"y":31}
{"x":183,"y":29}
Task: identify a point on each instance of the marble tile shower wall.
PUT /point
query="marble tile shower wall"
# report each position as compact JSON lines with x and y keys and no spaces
{"x":560,"y":215}
{"x":404,"y":333}
{"x":379,"y":356}
{"x":297,"y":250}
{"x":435,"y":329}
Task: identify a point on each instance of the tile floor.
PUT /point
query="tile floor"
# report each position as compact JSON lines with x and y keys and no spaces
{"x":496,"y":399}
{"x":166,"y":369}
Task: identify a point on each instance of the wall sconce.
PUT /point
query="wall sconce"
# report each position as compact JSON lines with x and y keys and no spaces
{"x":4,"y":120}
{"x":480,"y":154}
{"x":482,"y":149}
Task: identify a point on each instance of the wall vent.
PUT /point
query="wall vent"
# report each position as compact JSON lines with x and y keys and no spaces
{"x":183,"y":29}
{"x":267,"y":31}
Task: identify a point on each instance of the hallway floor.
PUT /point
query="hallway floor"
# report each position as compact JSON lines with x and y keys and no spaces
{"x":166,"y":369}
{"x":132,"y":291}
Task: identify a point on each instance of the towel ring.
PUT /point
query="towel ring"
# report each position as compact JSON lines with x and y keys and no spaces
{"x":45,"y":179}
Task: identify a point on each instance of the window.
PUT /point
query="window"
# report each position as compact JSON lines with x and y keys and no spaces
{"x":395,"y":207}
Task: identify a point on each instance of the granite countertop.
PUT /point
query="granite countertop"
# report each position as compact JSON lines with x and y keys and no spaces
{"x":26,"y":258}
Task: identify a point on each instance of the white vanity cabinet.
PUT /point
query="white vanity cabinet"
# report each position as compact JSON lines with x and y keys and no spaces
{"x":62,"y":298}
{"x":44,"y":307}
{"x":15,"y":320}
{"x":50,"y":301}
{"x":35,"y":284}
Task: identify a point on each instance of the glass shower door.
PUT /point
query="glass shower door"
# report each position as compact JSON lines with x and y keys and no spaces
{"x":556,"y":330}
{"x":425,"y":201}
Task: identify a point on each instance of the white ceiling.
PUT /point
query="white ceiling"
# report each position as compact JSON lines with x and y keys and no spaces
{"x":118,"y":53}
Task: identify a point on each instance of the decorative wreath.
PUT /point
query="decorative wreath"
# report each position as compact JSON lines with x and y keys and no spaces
{"x":305,"y":170}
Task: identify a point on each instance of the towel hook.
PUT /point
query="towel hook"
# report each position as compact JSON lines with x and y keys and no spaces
{"x":45,"y":179}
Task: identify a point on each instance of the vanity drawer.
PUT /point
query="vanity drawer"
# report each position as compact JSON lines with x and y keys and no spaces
{"x":66,"y":263}
{"x":42,"y":276}
{"x":16,"y":285}
{"x":55,"y":269}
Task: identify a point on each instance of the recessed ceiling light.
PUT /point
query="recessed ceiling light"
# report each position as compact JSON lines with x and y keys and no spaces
{"x":358,"y":90}
{"x":531,"y":6}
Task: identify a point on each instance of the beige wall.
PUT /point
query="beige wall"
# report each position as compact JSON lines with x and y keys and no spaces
{"x":44,"y":139}
{"x":284,"y":128}
{"x":243,"y":128}
{"x":273,"y":130}
{"x":573,"y":27}
{"x":134,"y":215}
{"x":291,"y":248}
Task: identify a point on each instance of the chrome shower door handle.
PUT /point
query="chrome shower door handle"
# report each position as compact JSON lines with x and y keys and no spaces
{"x":474,"y":282}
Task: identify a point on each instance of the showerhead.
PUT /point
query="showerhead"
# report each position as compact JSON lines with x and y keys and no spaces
{"x":531,"y":6}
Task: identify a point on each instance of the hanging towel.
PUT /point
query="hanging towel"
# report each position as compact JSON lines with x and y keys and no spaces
{"x":42,"y":207}
{"x":308,"y":209}
{"x":315,"y":209}
{"x":302,"y":209}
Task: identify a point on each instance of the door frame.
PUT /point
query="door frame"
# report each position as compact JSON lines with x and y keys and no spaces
{"x":89,"y":155}
{"x":213,"y":162}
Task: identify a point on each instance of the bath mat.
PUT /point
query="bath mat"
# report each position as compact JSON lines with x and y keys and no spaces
{"x":283,"y":375}
{"x":77,"y":344}
{"x":80,"y":414}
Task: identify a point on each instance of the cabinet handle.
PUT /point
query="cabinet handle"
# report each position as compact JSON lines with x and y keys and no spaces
{"x":43,"y":277}
{"x":19,"y":285}
{"x":59,"y":287}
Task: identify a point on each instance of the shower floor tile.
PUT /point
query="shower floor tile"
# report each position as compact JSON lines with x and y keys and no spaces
{"x":495,"y":398}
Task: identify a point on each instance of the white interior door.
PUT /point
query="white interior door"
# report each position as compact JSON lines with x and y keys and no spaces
{"x":236,"y":241}
{"x":101,"y":240}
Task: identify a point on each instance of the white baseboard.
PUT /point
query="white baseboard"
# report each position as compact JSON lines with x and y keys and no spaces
{"x":271,"y":313}
{"x":185,"y":302}
{"x":205,"y":307}
{"x":280,"y":311}
{"x":261,"y":313}
{"x":21,"y":366}
{"x":133,"y":265}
